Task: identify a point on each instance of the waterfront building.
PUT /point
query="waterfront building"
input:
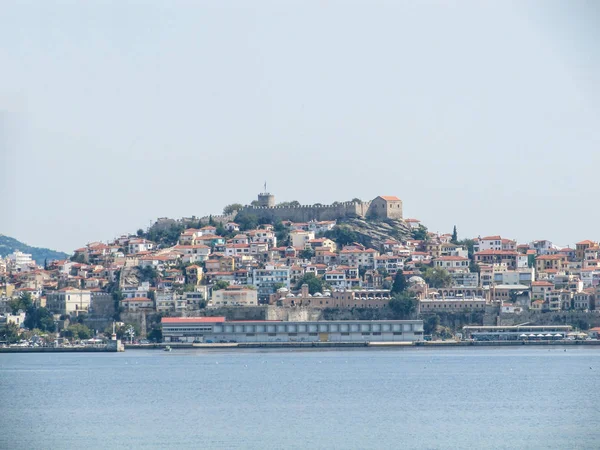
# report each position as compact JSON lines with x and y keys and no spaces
{"x":217,"y":329}
{"x":516,"y":332}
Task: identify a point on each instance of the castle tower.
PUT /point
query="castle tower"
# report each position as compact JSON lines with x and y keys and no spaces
{"x":266,"y":199}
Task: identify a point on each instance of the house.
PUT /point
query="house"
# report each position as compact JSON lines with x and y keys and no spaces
{"x":358,"y":257}
{"x":69,"y":301}
{"x":231,"y":227}
{"x":136,"y":304}
{"x":545,"y":262}
{"x":139,"y":245}
{"x":452,"y":263}
{"x":542,"y":247}
{"x":336,"y":279}
{"x":301,"y":238}
{"x":487,"y":243}
{"x":412,"y":223}
{"x":268,"y":279}
{"x":264,"y":236}
{"x":237,"y":249}
{"x":389,"y":263}
{"x":510,"y":308}
{"x":222,"y":264}
{"x":540,"y":290}
{"x":322,"y":242}
{"x":240,"y":239}
{"x":321,"y":226}
{"x":537,"y":305}
{"x":584,"y":300}
{"x":594,"y":333}
{"x":234,"y":296}
{"x":200,"y":252}
{"x":502,"y":257}
{"x":194,"y":274}
{"x":581,"y":247}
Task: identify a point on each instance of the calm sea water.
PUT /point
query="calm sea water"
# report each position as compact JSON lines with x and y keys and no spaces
{"x":501,"y":398}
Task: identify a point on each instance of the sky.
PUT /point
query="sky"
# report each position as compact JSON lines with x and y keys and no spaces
{"x":479,"y":114}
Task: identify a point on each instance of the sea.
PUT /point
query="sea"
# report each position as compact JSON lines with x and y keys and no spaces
{"x":418,"y":398}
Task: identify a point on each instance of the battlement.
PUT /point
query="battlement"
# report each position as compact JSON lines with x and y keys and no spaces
{"x":385,"y":207}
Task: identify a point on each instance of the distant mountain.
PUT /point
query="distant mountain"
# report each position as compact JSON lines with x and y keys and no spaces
{"x":9,"y":245}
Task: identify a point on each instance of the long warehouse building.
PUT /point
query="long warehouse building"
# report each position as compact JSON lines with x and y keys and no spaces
{"x":217,"y":329}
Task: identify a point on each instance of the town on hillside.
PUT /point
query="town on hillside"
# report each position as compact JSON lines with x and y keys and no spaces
{"x":268,"y":261}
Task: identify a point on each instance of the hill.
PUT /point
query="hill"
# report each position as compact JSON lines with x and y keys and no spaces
{"x":9,"y":245}
{"x":369,"y":232}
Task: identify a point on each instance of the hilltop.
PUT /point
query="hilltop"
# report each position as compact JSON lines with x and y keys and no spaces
{"x":8,"y":245}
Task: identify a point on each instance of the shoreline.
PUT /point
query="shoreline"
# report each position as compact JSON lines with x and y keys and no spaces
{"x":304,"y":345}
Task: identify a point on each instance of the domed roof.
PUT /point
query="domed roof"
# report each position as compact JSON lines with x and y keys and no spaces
{"x":327,"y":294}
{"x":318,"y":294}
{"x":290,"y":295}
{"x":416,"y":280}
{"x":282,"y":289}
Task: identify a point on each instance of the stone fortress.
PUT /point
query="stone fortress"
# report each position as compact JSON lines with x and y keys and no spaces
{"x":382,"y":207}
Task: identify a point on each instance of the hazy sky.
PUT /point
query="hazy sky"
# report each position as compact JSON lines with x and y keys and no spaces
{"x":481,"y":114}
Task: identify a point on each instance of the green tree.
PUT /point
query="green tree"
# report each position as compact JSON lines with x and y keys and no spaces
{"x":78,"y":331}
{"x":9,"y":332}
{"x":474,"y":267}
{"x":431,"y":324}
{"x":22,"y":303}
{"x":403,"y":305}
{"x":140,"y":233}
{"x":342,"y":235}
{"x":40,"y":318}
{"x":420,"y":233}
{"x":221,"y":231}
{"x":454,"y":239}
{"x":307,"y":253}
{"x":155,"y":334}
{"x":229,"y":209}
{"x":399,"y":283}
{"x":315,"y":284}
{"x":148,"y":273}
{"x":469,"y":243}
{"x":246,"y":221}
{"x":281,"y":231}
{"x":437,"y":277}
{"x":220,"y":284}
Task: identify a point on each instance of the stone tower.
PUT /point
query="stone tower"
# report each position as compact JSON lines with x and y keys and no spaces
{"x":266,"y":199}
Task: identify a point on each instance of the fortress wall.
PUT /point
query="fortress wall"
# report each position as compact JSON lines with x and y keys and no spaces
{"x":305,"y":213}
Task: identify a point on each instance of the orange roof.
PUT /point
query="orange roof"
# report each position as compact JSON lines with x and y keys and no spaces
{"x":191,"y":319}
{"x":390,"y":198}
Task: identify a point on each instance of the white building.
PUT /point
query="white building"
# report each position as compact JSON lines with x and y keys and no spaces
{"x":139,"y":245}
{"x":234,"y":297}
{"x":69,"y":301}
{"x":266,"y":280}
{"x":19,"y":260}
{"x":300,"y":238}
{"x":216,"y":329}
